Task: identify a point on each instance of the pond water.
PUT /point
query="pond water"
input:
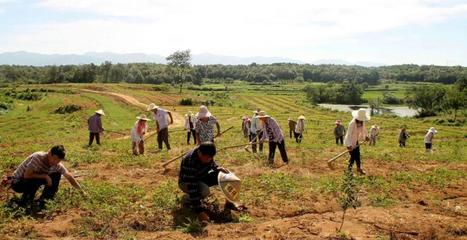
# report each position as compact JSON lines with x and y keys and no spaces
{"x":400,"y":111}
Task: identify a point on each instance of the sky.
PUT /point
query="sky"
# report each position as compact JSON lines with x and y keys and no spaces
{"x":380,"y":31}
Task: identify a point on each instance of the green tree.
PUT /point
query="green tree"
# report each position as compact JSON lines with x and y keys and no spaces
{"x":180,"y":65}
{"x":455,"y":100}
{"x":427,"y":100}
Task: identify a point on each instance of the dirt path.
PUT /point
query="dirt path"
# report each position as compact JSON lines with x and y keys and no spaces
{"x":177,"y":118}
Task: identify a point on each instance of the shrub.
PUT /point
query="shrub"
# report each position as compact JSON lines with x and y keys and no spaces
{"x":67,"y":109}
{"x":391,"y":99}
{"x":4,"y":106}
{"x":186,"y":102}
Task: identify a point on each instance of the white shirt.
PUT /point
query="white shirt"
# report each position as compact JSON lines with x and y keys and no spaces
{"x":300,"y":127}
{"x":354,"y":134}
{"x":161,"y":117}
{"x":429,"y":137}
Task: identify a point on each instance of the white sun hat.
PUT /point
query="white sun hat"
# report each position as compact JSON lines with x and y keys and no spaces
{"x":361,"y":115}
{"x":203,"y":112}
{"x":100,"y":112}
{"x":230,"y":185}
{"x":433,"y":130}
{"x":152,"y":106}
{"x":262,"y":114}
{"x":143,"y":117}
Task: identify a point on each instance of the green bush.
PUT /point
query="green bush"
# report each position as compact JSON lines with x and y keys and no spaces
{"x":186,"y":102}
{"x":67,"y":109}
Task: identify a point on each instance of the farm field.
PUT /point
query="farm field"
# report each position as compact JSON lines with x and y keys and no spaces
{"x":406,"y":194}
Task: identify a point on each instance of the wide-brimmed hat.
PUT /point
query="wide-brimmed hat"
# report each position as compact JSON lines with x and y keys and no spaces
{"x":189,"y":114}
{"x":374,"y":126}
{"x":433,"y":130}
{"x":301,"y":117}
{"x":338,"y":122}
{"x":143,"y":117}
{"x":100,"y":112}
{"x":257,"y":110}
{"x":152,"y":106}
{"x":230,"y":185}
{"x":262,"y":114}
{"x":361,"y":115}
{"x":204,"y":112}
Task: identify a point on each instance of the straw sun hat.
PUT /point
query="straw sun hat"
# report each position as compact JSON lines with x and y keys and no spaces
{"x":100,"y":112}
{"x":361,"y":115}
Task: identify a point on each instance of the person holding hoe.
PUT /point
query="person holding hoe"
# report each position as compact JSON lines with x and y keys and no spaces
{"x":162,"y":124}
{"x":299,"y":129}
{"x":429,"y":139}
{"x":190,"y":127}
{"x":256,"y":132}
{"x":356,"y":132}
{"x":339,"y":132}
{"x":205,"y":126}
{"x":273,"y":133}
{"x":95,"y":127}
{"x":137,"y":134}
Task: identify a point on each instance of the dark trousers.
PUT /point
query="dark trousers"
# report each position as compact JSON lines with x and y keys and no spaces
{"x":401,"y":143}
{"x":92,"y":136}
{"x":272,"y":151}
{"x":29,"y":187}
{"x":355,"y":157}
{"x":340,"y":139}
{"x":188,"y":136}
{"x":428,"y":146}
{"x":298,"y":137}
{"x":291,"y":132}
{"x":253,"y":137}
{"x":163,"y":136}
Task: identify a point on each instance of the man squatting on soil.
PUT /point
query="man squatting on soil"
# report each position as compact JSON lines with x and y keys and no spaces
{"x":42,"y":168}
{"x":198,"y":172}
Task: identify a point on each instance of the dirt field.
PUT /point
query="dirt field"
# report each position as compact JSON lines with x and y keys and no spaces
{"x":406,"y":194}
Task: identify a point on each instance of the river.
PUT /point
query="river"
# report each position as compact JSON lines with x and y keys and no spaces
{"x":400,"y":111}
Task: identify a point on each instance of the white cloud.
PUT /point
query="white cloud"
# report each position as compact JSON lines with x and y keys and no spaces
{"x":241,"y":27}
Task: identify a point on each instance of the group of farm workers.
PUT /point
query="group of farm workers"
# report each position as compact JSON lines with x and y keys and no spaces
{"x":198,"y":170}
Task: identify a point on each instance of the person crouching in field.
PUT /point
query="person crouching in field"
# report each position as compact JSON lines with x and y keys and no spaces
{"x":403,"y":136}
{"x":190,"y":128}
{"x":274,"y":134}
{"x":299,"y":129}
{"x":198,"y":172}
{"x":95,"y":127}
{"x":205,"y":126}
{"x":356,"y":132}
{"x":162,"y":124}
{"x":292,"y":125}
{"x":374,"y":132}
{"x":429,"y":139}
{"x":137,"y":134}
{"x":339,"y":132}
{"x":42,"y":169}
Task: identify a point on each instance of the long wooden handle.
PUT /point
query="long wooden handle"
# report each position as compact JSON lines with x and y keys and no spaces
{"x":224,"y":148}
{"x":342,"y":153}
{"x":173,"y":159}
{"x":115,"y":132}
{"x":224,"y":131}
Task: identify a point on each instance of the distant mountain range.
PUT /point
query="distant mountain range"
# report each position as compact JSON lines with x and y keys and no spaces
{"x":39,"y":59}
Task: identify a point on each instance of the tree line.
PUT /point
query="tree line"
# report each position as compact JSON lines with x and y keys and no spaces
{"x":182,"y":72}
